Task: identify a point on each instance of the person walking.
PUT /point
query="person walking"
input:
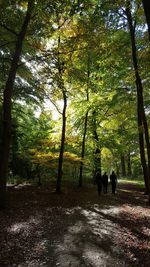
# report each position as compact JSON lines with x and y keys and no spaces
{"x":113,"y":181}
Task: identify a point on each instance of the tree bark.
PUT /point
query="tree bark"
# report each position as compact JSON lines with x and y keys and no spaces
{"x":97,"y":154}
{"x":83,"y":150}
{"x":60,"y":162}
{"x":129,"y":171}
{"x":7,"y":106}
{"x":117,"y":169}
{"x":85,"y":126}
{"x":142,"y":121}
{"x":142,"y":151}
{"x":146,"y":5}
{"x":62,"y":144}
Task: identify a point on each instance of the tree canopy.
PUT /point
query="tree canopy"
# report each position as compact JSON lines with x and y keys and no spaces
{"x":74,"y":90}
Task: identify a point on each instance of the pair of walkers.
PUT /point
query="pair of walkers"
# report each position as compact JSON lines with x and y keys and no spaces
{"x":102,"y":182}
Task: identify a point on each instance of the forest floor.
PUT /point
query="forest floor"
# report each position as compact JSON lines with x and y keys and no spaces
{"x":76,"y":228}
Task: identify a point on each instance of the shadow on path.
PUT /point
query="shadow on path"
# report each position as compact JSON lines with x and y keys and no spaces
{"x":77,"y":228}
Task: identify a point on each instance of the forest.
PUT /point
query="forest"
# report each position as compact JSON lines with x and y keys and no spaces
{"x":74,"y":100}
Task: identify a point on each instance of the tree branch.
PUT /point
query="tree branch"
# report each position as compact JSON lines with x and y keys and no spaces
{"x":6,"y":44}
{"x":60,"y":112}
{"x":8,"y":29}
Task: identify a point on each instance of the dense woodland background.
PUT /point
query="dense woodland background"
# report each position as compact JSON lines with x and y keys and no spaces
{"x":74,"y":91}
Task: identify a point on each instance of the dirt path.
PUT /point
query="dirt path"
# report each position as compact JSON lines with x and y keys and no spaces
{"x":77,"y":228}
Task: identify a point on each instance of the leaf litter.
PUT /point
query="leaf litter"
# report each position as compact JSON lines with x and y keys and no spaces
{"x":76,"y":228}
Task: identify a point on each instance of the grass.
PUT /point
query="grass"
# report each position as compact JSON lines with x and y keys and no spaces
{"x":136,"y":181}
{"x":86,"y":180}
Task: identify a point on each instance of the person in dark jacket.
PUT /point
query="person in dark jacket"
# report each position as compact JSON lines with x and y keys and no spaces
{"x":98,"y":179}
{"x":105,"y":182}
{"x":113,"y":181}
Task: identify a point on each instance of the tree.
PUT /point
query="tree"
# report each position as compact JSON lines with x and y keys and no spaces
{"x":8,"y":91}
{"x":60,"y":162}
{"x":85,"y":126}
{"x":142,"y":120}
{"x":146,"y":6}
{"x":118,"y":17}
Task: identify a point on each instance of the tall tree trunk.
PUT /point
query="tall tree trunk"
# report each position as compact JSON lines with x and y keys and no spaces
{"x":142,"y":121}
{"x":146,"y":5}
{"x":85,"y":125}
{"x":97,"y":154}
{"x":7,"y":106}
{"x":62,"y":145}
{"x":142,"y":151}
{"x":146,"y":131}
{"x":117,"y":169}
{"x":97,"y":160}
{"x":129,"y":171}
{"x":123,"y":167}
{"x":60,"y":162}
{"x":83,"y":150}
